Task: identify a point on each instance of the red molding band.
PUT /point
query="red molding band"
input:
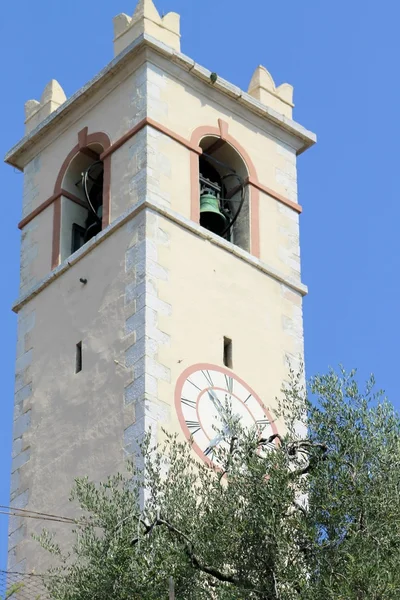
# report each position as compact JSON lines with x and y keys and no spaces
{"x":221,"y":132}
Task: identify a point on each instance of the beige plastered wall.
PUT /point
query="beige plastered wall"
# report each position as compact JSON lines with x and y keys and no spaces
{"x":215,"y":294}
{"x":76,"y":419}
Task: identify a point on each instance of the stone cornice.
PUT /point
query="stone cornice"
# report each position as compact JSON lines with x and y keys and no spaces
{"x":15,"y":156}
{"x":175,"y":217}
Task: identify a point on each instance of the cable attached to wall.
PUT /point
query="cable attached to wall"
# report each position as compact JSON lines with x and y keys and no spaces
{"x":242,"y":199}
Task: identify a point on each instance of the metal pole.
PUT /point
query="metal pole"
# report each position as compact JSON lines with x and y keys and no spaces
{"x":171,"y":589}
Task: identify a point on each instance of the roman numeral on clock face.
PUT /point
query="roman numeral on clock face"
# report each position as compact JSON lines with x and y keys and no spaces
{"x":262,"y":422}
{"x":193,"y":426}
{"x":208,"y":378}
{"x":189,"y":403}
{"x":229,"y":383}
{"x":192,"y":383}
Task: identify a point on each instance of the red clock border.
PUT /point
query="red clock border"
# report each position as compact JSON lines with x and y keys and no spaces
{"x":178,"y":395}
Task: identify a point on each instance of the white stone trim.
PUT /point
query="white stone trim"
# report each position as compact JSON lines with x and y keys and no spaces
{"x":21,"y":451}
{"x":144,"y":412}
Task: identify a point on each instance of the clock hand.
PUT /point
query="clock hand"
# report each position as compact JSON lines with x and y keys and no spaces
{"x":221,"y":410}
{"x":217,"y":403}
{"x":217,"y":439}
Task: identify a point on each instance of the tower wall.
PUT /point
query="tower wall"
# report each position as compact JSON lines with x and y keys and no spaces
{"x":159,"y":297}
{"x":162,"y":292}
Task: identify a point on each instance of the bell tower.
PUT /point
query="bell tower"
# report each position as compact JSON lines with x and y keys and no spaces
{"x":160,"y":264}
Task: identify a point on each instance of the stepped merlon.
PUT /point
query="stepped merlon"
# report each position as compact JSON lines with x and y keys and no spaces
{"x":262,"y":87}
{"x":146,"y":20}
{"x":35,"y":112}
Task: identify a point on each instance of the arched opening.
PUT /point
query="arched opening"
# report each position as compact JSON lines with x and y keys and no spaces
{"x":224,"y":200}
{"x":82,"y":205}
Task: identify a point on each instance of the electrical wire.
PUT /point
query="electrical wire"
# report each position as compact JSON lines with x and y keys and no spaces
{"x":24,"y":586}
{"x":32,"y":514}
{"x":14,"y":514}
{"x":85,"y":176}
{"x":25,"y":574}
{"x":243,"y":197}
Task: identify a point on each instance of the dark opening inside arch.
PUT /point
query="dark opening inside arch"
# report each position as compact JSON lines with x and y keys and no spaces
{"x":82,"y":210}
{"x":223,"y":191}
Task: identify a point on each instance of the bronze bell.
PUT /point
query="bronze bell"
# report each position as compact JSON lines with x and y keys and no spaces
{"x":210,"y":215}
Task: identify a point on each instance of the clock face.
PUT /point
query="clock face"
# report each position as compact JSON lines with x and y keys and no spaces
{"x":204,"y":393}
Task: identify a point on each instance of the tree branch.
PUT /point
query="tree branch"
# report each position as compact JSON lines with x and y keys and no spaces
{"x":295,"y":447}
{"x":147,"y":529}
{"x":209,"y":570}
{"x":272,"y":438}
{"x":232,"y":447}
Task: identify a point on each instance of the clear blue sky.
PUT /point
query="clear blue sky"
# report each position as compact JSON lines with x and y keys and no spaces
{"x":342,"y":58}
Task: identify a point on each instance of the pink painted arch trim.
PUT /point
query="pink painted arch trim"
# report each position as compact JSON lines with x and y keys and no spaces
{"x":84,"y":140}
{"x":222,"y":132}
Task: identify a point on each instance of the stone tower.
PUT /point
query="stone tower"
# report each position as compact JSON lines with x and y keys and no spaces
{"x":132,"y":287}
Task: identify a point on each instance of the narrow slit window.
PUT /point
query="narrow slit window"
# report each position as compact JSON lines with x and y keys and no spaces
{"x":228,"y":362}
{"x":78,"y":360}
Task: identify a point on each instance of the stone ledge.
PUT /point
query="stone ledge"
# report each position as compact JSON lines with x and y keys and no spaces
{"x":172,"y":216}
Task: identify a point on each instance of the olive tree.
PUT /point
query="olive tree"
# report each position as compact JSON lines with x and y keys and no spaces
{"x":313,"y":513}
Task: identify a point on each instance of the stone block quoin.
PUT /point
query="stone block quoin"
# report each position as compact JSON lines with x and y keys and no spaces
{"x":21,"y":449}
